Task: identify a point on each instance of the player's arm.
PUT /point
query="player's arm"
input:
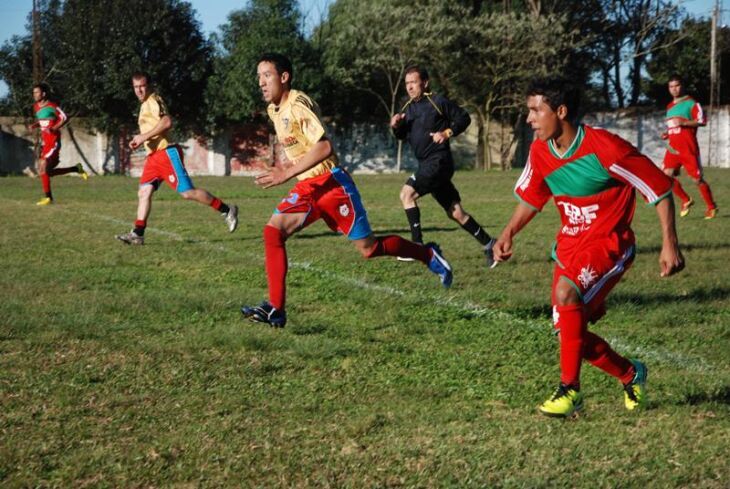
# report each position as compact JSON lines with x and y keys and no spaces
{"x":276,"y":175}
{"x":457,"y":118}
{"x":522,"y":215}
{"x":164,"y":124}
{"x":671,"y":260}
{"x":62,"y":120}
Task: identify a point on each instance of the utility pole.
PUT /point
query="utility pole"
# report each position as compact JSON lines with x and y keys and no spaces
{"x":714,"y":83}
{"x":37,"y":51}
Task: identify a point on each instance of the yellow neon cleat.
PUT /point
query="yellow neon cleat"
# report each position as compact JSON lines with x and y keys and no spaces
{"x":635,"y":391}
{"x":45,"y":201}
{"x":685,"y":207}
{"x":563,"y":403}
{"x":82,"y":173}
{"x":711,"y":213}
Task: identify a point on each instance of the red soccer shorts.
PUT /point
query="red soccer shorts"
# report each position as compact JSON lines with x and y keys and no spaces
{"x":166,"y":165}
{"x":690,"y":162}
{"x":50,"y":151}
{"x":332,"y":197}
{"x":594,"y":272}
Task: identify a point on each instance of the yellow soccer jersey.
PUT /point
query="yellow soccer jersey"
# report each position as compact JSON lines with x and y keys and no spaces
{"x":298,"y":128}
{"x":150,"y":112}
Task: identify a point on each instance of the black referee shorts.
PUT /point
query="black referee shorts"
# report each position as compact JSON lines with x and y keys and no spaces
{"x":434,"y":177}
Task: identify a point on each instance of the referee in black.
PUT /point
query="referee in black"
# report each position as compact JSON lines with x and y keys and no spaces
{"x":428,"y":121}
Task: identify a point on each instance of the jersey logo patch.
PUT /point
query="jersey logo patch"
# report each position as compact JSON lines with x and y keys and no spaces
{"x":344,"y":210}
{"x":579,"y":215}
{"x":172,"y":178}
{"x":587,"y":276}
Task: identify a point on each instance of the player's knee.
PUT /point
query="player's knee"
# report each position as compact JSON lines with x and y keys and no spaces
{"x":406,"y":195}
{"x":188,"y":195}
{"x":145,"y":191}
{"x":565,"y":294}
{"x":273,"y":236}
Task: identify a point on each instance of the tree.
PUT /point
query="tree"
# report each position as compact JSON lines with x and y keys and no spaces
{"x":264,"y":26}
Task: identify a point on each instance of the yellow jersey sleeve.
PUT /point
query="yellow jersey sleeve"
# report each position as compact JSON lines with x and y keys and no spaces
{"x":151,"y":112}
{"x":303,"y":111}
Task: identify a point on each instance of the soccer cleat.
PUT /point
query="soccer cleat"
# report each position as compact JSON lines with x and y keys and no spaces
{"x":684,"y":211}
{"x":489,"y":253}
{"x":130,"y":238}
{"x":439,"y":265}
{"x":635,"y":391}
{"x":265,"y":313}
{"x":231,"y":218}
{"x":711,"y":213}
{"x":405,"y":258}
{"x":45,"y":201}
{"x":563,"y":403}
{"x":82,"y":173}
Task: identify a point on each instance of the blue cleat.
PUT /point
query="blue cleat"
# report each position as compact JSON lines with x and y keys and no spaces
{"x":265,"y":313}
{"x":440,"y":266}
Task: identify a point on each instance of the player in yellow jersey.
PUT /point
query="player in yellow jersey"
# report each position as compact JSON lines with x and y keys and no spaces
{"x":324,"y":190}
{"x":164,"y":163}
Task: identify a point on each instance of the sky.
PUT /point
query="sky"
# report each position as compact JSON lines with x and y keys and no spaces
{"x":213,"y":13}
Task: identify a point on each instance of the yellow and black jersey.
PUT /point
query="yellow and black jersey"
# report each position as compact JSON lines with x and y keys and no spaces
{"x":150,"y":112}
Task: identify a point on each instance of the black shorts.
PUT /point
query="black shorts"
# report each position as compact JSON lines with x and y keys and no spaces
{"x":434,"y":177}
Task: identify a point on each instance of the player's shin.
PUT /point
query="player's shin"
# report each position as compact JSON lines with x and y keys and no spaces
{"x":276,"y":266}
{"x":570,"y":322}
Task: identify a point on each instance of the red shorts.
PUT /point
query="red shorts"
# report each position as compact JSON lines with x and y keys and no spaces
{"x":50,"y":152}
{"x":594,"y":272}
{"x":332,"y":197}
{"x":690,"y":162}
{"x":166,"y":165}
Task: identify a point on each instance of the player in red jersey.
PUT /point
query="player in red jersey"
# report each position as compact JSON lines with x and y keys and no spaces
{"x":591,"y":175}
{"x":684,"y":116}
{"x":50,"y":118}
{"x":324,"y":190}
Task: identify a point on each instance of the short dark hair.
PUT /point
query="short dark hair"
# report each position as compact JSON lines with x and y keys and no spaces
{"x":557,"y":91}
{"x":138,"y":75}
{"x":43,"y":87}
{"x":280,"y":62}
{"x":422,"y":72}
{"x":676,"y":77}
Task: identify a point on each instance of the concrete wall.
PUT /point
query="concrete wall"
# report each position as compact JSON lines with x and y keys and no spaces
{"x":362,"y":148}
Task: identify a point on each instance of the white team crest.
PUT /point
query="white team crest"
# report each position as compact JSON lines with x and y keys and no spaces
{"x":344,"y":210}
{"x":587,"y":276}
{"x":172,"y":178}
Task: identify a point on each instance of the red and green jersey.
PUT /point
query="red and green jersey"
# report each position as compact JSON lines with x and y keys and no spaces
{"x":47,"y":116}
{"x":683,"y":139}
{"x":592,"y":185}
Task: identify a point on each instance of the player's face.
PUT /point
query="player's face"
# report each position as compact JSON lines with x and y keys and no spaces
{"x":543,"y":119}
{"x":271,"y":82}
{"x":675,"y":88}
{"x":38,"y":94}
{"x":414,"y":85}
{"x":141,"y":89}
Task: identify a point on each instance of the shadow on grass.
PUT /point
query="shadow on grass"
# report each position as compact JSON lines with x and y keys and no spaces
{"x":377,"y":232}
{"x":685,"y":247}
{"x":700,"y":295}
{"x":718,"y":396}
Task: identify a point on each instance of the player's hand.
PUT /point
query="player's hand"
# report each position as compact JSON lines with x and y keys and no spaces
{"x":439,"y":137}
{"x":397,"y":120}
{"x":272,"y":177}
{"x":671,"y":260}
{"x":665,"y":135}
{"x":136,"y":141}
{"x":502,"y":249}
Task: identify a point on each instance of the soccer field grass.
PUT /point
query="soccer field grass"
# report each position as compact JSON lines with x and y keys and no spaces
{"x":132,"y":367}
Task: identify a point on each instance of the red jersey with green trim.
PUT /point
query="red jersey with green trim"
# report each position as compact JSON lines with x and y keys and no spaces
{"x":48,"y":115}
{"x":592,"y":185}
{"x":683,"y":139}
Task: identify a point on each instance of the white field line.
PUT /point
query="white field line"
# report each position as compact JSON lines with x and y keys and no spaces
{"x":694,"y":363}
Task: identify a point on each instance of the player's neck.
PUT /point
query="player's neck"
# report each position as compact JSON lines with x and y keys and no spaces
{"x":284,"y":97}
{"x":565,"y":139}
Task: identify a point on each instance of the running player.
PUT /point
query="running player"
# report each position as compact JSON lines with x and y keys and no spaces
{"x":684,"y":116}
{"x":429,"y":121}
{"x":50,"y":118}
{"x":164,"y":163}
{"x":324,"y":190}
{"x":591,"y":175}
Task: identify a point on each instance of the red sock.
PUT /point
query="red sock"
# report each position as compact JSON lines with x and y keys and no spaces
{"x":601,"y":355}
{"x":276,"y":266}
{"x":679,"y":191}
{"x":216,"y":203}
{"x":707,"y":195}
{"x":392,"y":245}
{"x":569,"y":321}
{"x":46,"y":182}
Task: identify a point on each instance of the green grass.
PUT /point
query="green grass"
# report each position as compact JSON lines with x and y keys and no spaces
{"x":131,"y":366}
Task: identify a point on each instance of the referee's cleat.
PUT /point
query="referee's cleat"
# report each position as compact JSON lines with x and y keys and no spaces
{"x":231,"y":218}
{"x":684,"y":211}
{"x":635,"y":391}
{"x":130,"y":238}
{"x":563,"y":403}
{"x":489,"y":253}
{"x":265,"y":313}
{"x":82,"y":173}
{"x":439,"y":265}
{"x":45,"y":201}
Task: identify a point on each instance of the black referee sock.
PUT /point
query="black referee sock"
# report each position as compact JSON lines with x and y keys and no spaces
{"x":472,"y":227}
{"x":414,"y":221}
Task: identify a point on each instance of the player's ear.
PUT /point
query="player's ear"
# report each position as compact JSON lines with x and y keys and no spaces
{"x":562,"y":112}
{"x":285,"y":77}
